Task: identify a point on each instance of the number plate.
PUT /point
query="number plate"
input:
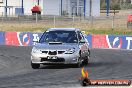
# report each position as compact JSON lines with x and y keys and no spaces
{"x":52,"y":57}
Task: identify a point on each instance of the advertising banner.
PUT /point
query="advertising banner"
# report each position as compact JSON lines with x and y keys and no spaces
{"x":27,"y":39}
{"x":95,"y":41}
{"x":119,"y":42}
{"x":99,"y":41}
{"x":2,"y":38}
{"x":112,"y":41}
{"x":89,"y":38}
{"x":21,"y":38}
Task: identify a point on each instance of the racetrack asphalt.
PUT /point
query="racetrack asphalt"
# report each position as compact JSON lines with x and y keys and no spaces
{"x":16,"y":72}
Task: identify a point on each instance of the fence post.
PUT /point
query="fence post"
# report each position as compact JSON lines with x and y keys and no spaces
{"x":54,"y":21}
{"x":113,"y":26}
{"x":2,"y":17}
{"x":28,"y":18}
{"x":91,"y":21}
{"x":73,"y":20}
{"x":18,"y":17}
{"x":36,"y":17}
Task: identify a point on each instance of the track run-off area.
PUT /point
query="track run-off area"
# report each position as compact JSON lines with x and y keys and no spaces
{"x":16,"y":71}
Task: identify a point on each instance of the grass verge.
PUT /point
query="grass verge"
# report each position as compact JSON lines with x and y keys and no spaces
{"x":33,"y":27}
{"x":109,"y":31}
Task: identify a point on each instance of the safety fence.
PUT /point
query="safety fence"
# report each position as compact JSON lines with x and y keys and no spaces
{"x":95,"y":41}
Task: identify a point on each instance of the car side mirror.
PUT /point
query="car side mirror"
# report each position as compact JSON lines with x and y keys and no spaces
{"x":83,"y":32}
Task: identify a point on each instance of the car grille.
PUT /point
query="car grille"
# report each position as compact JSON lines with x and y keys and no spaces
{"x":45,"y":52}
{"x":53,"y":60}
{"x":61,"y":52}
{"x":53,"y":52}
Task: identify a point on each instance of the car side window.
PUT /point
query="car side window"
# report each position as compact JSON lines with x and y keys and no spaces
{"x":80,"y":36}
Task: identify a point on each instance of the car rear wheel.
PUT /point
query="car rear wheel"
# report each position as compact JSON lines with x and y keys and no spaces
{"x":35,"y":66}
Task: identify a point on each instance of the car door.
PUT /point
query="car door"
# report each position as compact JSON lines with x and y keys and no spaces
{"x":82,"y":44}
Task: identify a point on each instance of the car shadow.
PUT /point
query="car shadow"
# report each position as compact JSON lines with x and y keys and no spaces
{"x":99,"y":64}
{"x":92,"y":64}
{"x":58,"y":66}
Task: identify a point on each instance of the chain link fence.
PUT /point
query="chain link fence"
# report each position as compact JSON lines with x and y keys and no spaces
{"x":103,"y":22}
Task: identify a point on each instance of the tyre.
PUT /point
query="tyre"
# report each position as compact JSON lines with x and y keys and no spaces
{"x":35,"y":66}
{"x":88,"y":52}
{"x":86,"y":59}
{"x":79,"y":64}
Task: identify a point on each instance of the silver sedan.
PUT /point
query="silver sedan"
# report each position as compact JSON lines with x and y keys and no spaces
{"x":60,"y":46}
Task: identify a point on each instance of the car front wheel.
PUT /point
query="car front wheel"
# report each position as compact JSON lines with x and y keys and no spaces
{"x":35,"y":66}
{"x":79,"y":64}
{"x":86,"y":59}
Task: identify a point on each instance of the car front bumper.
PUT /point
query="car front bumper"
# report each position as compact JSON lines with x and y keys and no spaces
{"x":61,"y":59}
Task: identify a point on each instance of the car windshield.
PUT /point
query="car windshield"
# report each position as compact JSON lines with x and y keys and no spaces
{"x":59,"y":36}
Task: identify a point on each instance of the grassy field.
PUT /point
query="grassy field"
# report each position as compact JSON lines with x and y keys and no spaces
{"x":40,"y":27}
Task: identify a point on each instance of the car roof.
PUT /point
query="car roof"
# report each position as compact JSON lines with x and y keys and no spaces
{"x":63,"y":29}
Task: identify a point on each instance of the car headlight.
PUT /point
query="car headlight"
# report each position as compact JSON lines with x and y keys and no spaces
{"x":35,"y":50}
{"x":70,"y":51}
